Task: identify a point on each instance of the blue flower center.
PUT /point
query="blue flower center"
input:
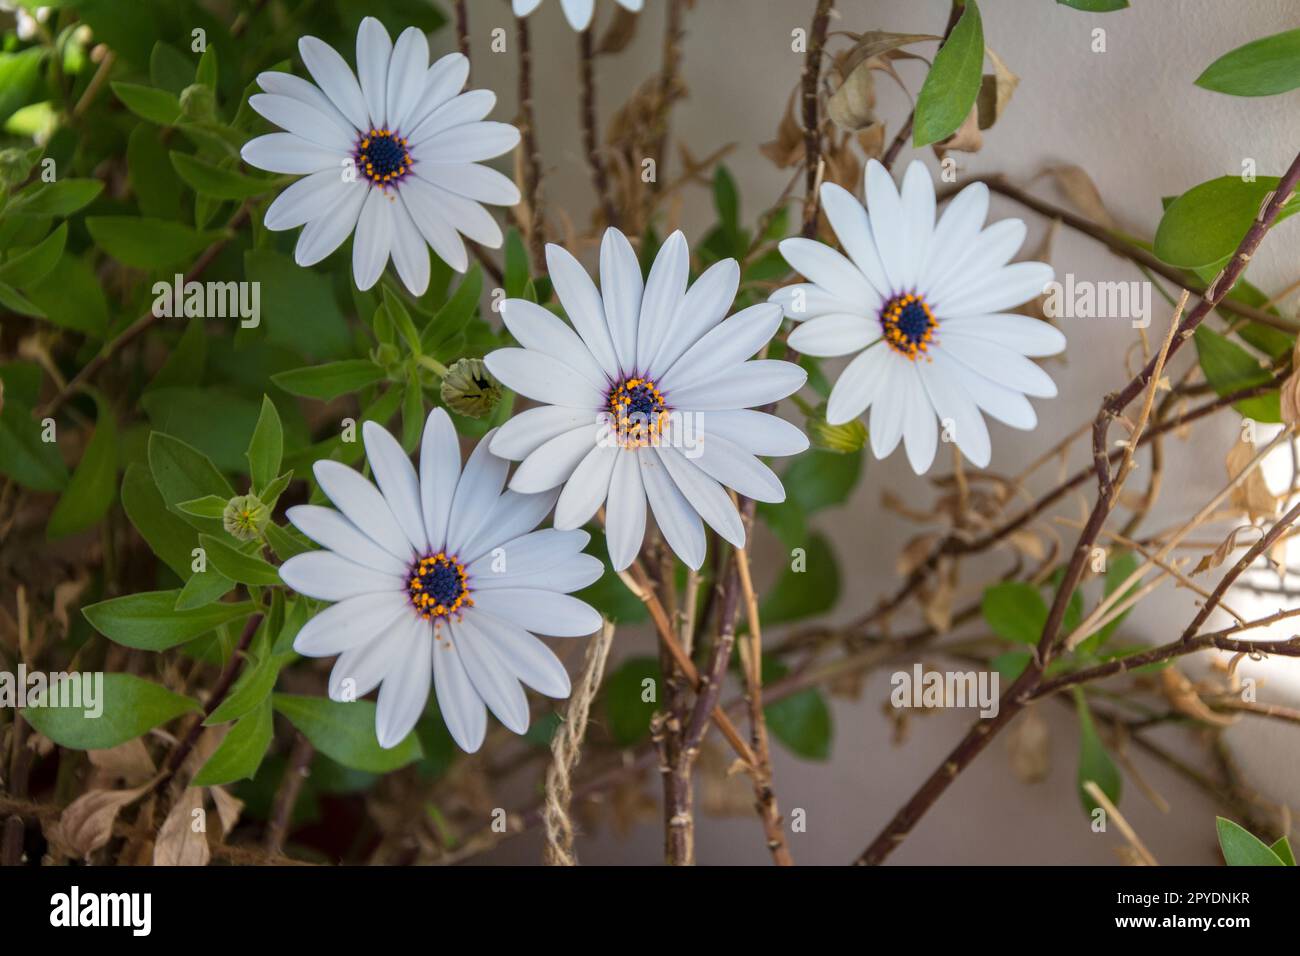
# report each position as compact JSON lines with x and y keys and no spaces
{"x":437,"y":586}
{"x":908,"y":325}
{"x":383,"y":157}
{"x":638,"y":410}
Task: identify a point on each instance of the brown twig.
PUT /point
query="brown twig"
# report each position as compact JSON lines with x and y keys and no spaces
{"x":532,"y":155}
{"x":812,"y":138}
{"x":462,"y":27}
{"x":590,"y":138}
{"x":286,"y":797}
{"x":905,"y":131}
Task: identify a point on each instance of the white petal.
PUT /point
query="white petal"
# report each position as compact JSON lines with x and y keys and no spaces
{"x":542,"y":331}
{"x":304,"y":121}
{"x":331,"y":530}
{"x":359,"y":670}
{"x":726,"y":345}
{"x":442,"y":81}
{"x":439,"y":474}
{"x":831,"y":335}
{"x":586,"y":489}
{"x":956,"y":409}
{"x":1001,"y":289}
{"x":465,"y":215}
{"x":827,"y":268}
{"x":480,"y":183}
{"x":373,"y":240}
{"x":704,"y":495}
{"x":956,"y":230}
{"x":739,"y":470}
{"x":806,"y":300}
{"x":1001,"y":364}
{"x":664,"y":289}
{"x":528,"y":658}
{"x":861,"y":382}
{"x":1007,"y":406}
{"x":743,"y":386}
{"x":513,"y":514}
{"x":410,"y":254}
{"x":582,"y":304}
{"x":364,"y":506}
{"x":529,"y":430}
{"x":476,"y":493}
{"x":286,"y":84}
{"x":678,"y":521}
{"x":374,"y":50}
{"x":351,"y":623}
{"x":887,"y":225}
{"x":543,"y":379}
{"x":622,"y":289}
{"x":553,"y":463}
{"x":332,"y":75}
{"x":323,"y":235}
{"x":405,"y":690}
{"x":985,"y":255}
{"x":406,"y":76}
{"x":530,"y":552}
{"x":756,"y":432}
{"x":459,"y":703}
{"x":469,"y":107}
{"x":327,"y":577}
{"x":542,"y":612}
{"x":705,"y":304}
{"x":470,"y":143}
{"x":888,"y":413}
{"x":578,"y":13}
{"x":917,"y":198}
{"x":920,"y":433}
{"x":1022,"y":334}
{"x":625,"y":510}
{"x":492,"y":677}
{"x":574,"y":574}
{"x":309,"y":198}
{"x":521,"y":8}
{"x":397,"y":481}
{"x":286,"y":153}
{"x":430,"y":218}
{"x":853,"y":229}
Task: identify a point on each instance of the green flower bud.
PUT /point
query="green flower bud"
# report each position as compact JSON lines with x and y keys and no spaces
{"x":245,"y":517}
{"x":469,"y":389}
{"x":845,"y":439}
{"x":199,"y":103}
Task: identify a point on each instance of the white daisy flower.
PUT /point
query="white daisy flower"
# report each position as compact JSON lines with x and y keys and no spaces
{"x":438,"y":578}
{"x":650,"y":398}
{"x":922,"y":306}
{"x":395,"y":156}
{"x":577,"y":12}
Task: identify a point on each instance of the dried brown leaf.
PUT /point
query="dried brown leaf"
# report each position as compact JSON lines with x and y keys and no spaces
{"x":178,"y":843}
{"x":86,"y":824}
{"x":228,"y":808}
{"x":1183,"y":697}
{"x":1251,"y":496}
{"x":786,"y":149}
{"x":620,"y":32}
{"x":967,"y":139}
{"x":995,"y":91}
{"x":1220,"y":554}
{"x":1079,"y":188}
{"x":1028,"y":746}
{"x":129,"y":762}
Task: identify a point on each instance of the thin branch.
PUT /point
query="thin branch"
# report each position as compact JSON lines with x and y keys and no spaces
{"x":532,"y":156}
{"x":812,"y":137}
{"x":590,"y":139}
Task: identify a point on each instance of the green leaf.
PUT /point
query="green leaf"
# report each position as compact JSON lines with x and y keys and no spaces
{"x":209,"y":506}
{"x":1242,"y":848}
{"x":801,"y":721}
{"x":453,"y":317}
{"x":203,"y":588}
{"x":330,"y":380}
{"x":517,"y":270}
{"x":169,"y":68}
{"x":1230,"y":368}
{"x":1094,"y":762}
{"x":346,"y":732}
{"x":1204,"y":226}
{"x":24,"y":457}
{"x":627,"y":710}
{"x":266,"y":447}
{"x":170,"y":538}
{"x":15,"y":301}
{"x":412,"y":414}
{"x":207,"y":72}
{"x":807,"y":592}
{"x":1095,"y":6}
{"x":208,"y":179}
{"x":72,"y":297}
{"x":148,"y":243}
{"x":1118,"y":570}
{"x":156,"y":106}
{"x":244,"y":568}
{"x":218,"y":421}
{"x":93,"y":487}
{"x":254,"y":686}
{"x":401,"y":319}
{"x":156,"y":186}
{"x":1015,"y":611}
{"x":298,"y":307}
{"x":1282,"y":847}
{"x":182,"y":473}
{"x":241,"y":752}
{"x":1260,"y":68}
{"x":953,"y":83}
{"x":149,"y":621}
{"x":32,"y":265}
{"x":822,"y":479}
{"x":130,"y":707}
{"x":60,"y":198}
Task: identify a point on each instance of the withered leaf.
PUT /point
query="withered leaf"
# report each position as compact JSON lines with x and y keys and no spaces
{"x":228,"y":808}
{"x":86,"y":824}
{"x":1028,"y":746}
{"x":177,"y":843}
{"x":128,"y":761}
{"x":619,"y":33}
{"x":1079,"y":188}
{"x":853,"y":105}
{"x":1251,"y":496}
{"x":995,"y":91}
{"x":1183,"y":697}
